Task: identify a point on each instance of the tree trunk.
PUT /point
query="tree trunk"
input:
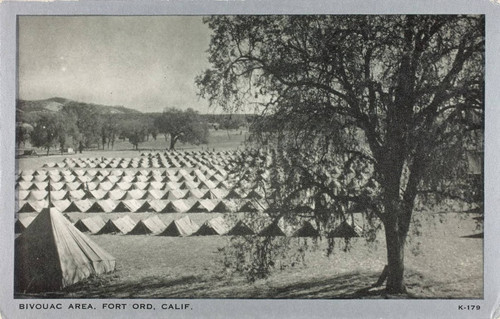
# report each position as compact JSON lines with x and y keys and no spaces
{"x":173,"y":140}
{"x":395,"y":241}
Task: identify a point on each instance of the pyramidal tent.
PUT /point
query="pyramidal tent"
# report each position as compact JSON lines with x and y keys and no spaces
{"x":240,"y":229}
{"x":22,"y":223}
{"x":145,"y":207}
{"x":83,"y":204}
{"x":158,"y":205}
{"x":95,"y":208}
{"x":52,"y":254}
{"x":221,"y":207}
{"x":306,"y":230}
{"x":345,"y":230}
{"x":151,"y":225}
{"x":214,"y":226}
{"x":61,"y":205}
{"x":122,"y":208}
{"x":27,"y":208}
{"x":176,"y":206}
{"x":201,"y":206}
{"x":121,"y":225}
{"x":181,"y":227}
{"x":90,"y":224}
{"x":272,"y":230}
{"x":249,"y":206}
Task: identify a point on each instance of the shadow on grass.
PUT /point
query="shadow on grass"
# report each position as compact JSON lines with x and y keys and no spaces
{"x":345,"y":286}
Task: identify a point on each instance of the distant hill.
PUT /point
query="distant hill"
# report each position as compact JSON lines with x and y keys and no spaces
{"x":56,"y":103}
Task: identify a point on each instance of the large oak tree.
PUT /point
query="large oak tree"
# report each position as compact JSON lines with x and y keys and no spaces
{"x":373,"y":112}
{"x":186,"y":126}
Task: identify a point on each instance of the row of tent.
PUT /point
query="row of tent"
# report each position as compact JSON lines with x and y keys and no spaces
{"x":190,"y":205}
{"x":137,"y":193}
{"x":168,"y":159}
{"x":208,"y":153}
{"x":186,"y":227}
{"x":120,"y":178}
{"x":41,"y":175}
{"x":121,"y":185}
{"x":153,"y":161}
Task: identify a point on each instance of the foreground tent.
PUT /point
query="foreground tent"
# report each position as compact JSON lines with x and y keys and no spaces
{"x":181,"y":227}
{"x":240,"y":229}
{"x":22,"y":223}
{"x":52,"y":254}
{"x":152,"y":225}
{"x":214,"y":226}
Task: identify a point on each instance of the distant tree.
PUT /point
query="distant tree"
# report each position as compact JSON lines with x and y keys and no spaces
{"x":151,"y":129}
{"x":134,"y":130}
{"x":49,"y":131}
{"x":185,"y":126}
{"x":372,"y":112}
{"x":23,"y":132}
{"x":229,"y":122}
{"x":154,"y":133}
{"x":88,"y":121}
{"x":109,"y":129}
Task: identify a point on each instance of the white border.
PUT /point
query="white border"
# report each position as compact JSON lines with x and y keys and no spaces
{"x":216,"y":308}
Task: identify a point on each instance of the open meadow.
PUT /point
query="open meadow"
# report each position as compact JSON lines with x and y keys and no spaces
{"x":440,"y":262}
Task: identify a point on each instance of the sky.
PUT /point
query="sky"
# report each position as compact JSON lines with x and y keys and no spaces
{"x":144,"y":63}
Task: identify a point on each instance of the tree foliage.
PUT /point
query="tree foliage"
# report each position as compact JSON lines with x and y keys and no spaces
{"x":88,"y":122}
{"x":23,"y":133}
{"x":50,"y":130}
{"x":184,"y":126}
{"x":373,"y":113}
{"x":135,"y":130}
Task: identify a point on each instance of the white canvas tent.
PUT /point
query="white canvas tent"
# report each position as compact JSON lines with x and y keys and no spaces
{"x":121,"y":225}
{"x":240,"y":229}
{"x":181,"y":227}
{"x":52,"y":254}
{"x":90,"y":224}
{"x":214,"y":226}
{"x":22,"y":223}
{"x":151,"y":225}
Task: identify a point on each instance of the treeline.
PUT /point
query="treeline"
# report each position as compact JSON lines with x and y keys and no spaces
{"x":83,"y":126}
{"x":229,"y":121}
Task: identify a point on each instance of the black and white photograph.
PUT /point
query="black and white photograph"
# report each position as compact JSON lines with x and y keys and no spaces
{"x":316,"y":157}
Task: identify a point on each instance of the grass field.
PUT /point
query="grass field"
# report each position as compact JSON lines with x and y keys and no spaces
{"x":439,"y":262}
